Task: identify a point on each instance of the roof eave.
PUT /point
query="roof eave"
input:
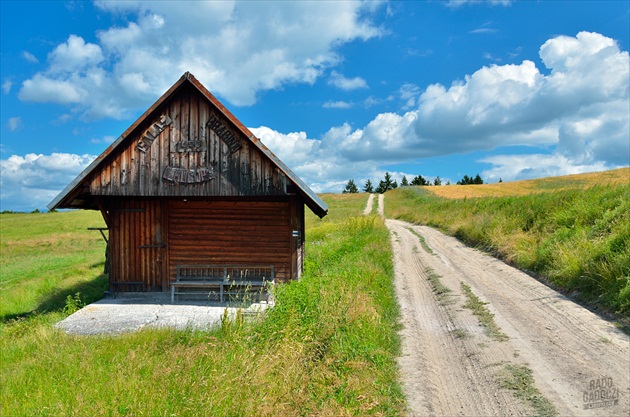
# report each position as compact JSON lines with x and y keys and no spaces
{"x":313,"y":201}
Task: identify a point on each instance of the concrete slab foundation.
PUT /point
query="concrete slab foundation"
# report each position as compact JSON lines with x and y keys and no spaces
{"x":130,"y":312}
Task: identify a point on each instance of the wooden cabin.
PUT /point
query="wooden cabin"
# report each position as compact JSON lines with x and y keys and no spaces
{"x":187,"y":183}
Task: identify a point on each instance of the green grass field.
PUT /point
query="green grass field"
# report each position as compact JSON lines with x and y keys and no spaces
{"x":46,"y":256}
{"x":575,"y":233}
{"x":328,"y":347}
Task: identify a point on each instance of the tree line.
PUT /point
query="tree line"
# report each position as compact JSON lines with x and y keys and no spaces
{"x":388,"y":183}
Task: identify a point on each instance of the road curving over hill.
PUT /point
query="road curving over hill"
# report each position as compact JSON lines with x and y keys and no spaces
{"x":575,"y":362}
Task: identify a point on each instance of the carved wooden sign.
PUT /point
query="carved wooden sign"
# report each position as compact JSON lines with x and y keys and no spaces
{"x":224,"y":133}
{"x":190,"y":146}
{"x":184,"y":175}
{"x":145,"y":141}
{"x":187,"y":176}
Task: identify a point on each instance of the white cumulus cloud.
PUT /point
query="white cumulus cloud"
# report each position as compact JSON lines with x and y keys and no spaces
{"x":347,"y":84}
{"x":74,"y":55}
{"x":236,"y":49}
{"x":33,"y":180}
{"x":41,"y":88}
{"x":579,"y":110}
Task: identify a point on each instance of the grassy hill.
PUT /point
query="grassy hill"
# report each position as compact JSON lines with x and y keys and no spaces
{"x":572,"y":231}
{"x":613,"y":178}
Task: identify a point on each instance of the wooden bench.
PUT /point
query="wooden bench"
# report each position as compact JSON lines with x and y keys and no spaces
{"x":230,"y":280}
{"x":198,"y":276}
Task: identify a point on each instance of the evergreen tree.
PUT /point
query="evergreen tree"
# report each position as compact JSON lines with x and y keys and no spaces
{"x":368,"y":188}
{"x":437,"y":181}
{"x":465,"y":180}
{"x":386,"y":184}
{"x":351,"y":188}
{"x":470,"y":180}
{"x":419,"y":180}
{"x":404,"y":182}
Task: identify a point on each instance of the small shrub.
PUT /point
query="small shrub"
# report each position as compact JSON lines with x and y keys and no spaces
{"x":73,"y":304}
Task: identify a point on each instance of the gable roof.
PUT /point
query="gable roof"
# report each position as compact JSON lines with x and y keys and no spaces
{"x":70,"y":196}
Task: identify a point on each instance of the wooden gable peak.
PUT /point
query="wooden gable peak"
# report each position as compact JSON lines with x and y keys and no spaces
{"x":76,"y":196}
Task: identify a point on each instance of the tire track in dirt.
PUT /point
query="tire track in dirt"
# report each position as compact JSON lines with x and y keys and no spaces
{"x":381,"y":205}
{"x":443,"y":373}
{"x":368,"y":206}
{"x":449,"y":366}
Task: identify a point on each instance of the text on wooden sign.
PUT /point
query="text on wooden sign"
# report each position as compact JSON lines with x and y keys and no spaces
{"x":144,"y":143}
{"x":187,"y":176}
{"x":224,"y":133}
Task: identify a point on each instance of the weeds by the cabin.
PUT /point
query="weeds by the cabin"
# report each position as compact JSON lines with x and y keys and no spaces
{"x":73,"y":303}
{"x":328,"y":347}
{"x":576,"y":238}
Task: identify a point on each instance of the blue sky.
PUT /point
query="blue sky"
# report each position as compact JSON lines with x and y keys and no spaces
{"x":338,"y":90}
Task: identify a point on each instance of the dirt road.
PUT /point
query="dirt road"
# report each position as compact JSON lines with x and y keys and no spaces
{"x":451,"y":365}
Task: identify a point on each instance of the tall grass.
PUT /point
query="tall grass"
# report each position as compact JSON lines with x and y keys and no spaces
{"x":578,"y":239}
{"x":328,"y":347}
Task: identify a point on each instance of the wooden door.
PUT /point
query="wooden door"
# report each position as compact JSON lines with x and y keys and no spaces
{"x":137,"y":246}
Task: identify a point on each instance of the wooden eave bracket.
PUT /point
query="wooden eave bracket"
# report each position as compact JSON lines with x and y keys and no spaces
{"x":106,"y":215}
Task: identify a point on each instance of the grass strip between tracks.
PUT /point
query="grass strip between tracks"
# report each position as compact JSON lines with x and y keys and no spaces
{"x":485,"y":317}
{"x":520,"y":381}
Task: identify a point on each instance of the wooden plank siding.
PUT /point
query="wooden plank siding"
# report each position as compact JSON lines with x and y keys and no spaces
{"x":188,"y":143}
{"x":230,"y":232}
{"x":150,"y":237}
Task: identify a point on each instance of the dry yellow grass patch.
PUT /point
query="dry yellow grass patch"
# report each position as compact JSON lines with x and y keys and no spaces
{"x":612,"y":177}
